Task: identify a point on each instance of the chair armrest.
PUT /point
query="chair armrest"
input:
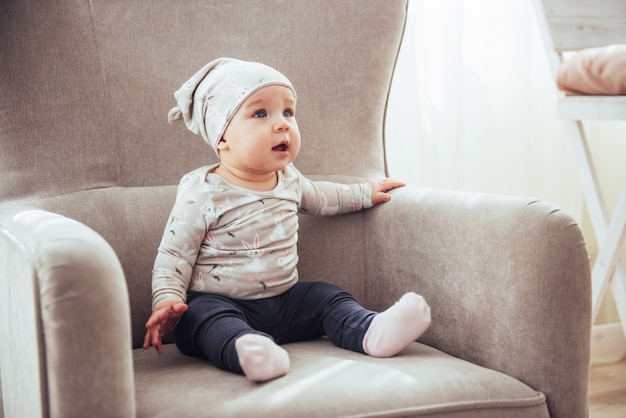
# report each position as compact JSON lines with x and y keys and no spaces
{"x":508,"y":281}
{"x":66,"y":349}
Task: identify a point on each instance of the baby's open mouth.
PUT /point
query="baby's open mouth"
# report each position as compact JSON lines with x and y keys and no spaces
{"x":280,"y":147}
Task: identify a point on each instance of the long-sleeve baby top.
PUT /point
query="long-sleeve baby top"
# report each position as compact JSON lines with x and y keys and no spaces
{"x":227,"y":240}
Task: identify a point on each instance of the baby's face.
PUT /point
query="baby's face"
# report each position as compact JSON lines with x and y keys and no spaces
{"x":263,"y":135}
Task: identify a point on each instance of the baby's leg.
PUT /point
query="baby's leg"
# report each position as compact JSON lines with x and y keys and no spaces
{"x":223,"y":331}
{"x":327,"y":309}
{"x":393,"y":330}
{"x":349,"y":325}
{"x":260,"y":358}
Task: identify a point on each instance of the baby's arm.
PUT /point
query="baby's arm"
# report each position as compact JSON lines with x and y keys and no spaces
{"x":176,"y":257}
{"x":329,"y":198}
{"x":380,"y":187}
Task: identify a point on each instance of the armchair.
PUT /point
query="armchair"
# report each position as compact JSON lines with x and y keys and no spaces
{"x":88,"y":173}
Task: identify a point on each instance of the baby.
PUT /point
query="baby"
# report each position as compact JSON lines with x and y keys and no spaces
{"x":225,"y":279}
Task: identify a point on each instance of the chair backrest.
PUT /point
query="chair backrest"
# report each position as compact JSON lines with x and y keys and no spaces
{"x":572,"y":25}
{"x":86,"y":85}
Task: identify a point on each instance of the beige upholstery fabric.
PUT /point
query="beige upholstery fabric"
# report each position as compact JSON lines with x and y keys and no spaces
{"x":325,"y":381}
{"x":88,"y":172}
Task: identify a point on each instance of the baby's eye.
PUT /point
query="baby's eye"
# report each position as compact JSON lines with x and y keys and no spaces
{"x":260,"y":114}
{"x":288,"y":112}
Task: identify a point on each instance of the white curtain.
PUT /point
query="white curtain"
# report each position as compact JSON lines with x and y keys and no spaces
{"x":473,"y":104}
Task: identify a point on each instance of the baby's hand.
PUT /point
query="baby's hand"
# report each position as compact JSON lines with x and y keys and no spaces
{"x":163,"y":319}
{"x":380,"y":187}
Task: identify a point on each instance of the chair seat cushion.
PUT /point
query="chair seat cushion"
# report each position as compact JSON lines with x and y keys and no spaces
{"x":595,"y":71}
{"x":325,"y":381}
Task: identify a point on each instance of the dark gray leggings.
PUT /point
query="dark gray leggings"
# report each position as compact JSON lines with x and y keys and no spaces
{"x":307,"y":311}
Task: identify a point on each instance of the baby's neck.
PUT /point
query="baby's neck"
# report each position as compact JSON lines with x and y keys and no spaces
{"x":258,"y":183}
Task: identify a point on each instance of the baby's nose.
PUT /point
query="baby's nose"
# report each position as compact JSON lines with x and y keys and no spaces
{"x":281,"y":125}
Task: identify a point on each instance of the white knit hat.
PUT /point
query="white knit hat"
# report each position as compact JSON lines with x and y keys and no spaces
{"x":209,"y":99}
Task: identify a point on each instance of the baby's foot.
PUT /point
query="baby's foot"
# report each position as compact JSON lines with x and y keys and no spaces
{"x":393,"y":330}
{"x":260,"y":358}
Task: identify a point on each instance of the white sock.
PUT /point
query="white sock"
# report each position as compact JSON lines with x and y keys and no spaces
{"x":393,"y":330}
{"x":260,"y":358}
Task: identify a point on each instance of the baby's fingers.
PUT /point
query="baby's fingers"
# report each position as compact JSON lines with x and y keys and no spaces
{"x":380,"y":197}
{"x":380,"y":187}
{"x":146,"y":341}
{"x":158,"y":346}
{"x":179,"y":308}
{"x":160,"y":316}
{"x":152,"y":338}
{"x":389,"y":184}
